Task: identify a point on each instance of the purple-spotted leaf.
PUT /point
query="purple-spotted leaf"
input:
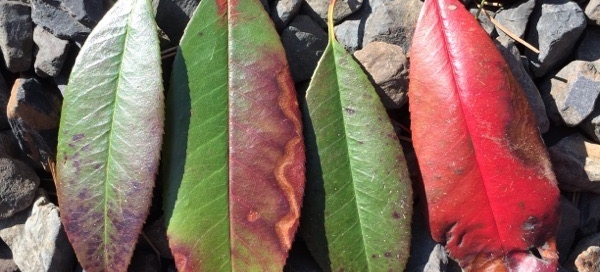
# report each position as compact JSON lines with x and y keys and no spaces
{"x":359,"y":197}
{"x":110,"y":137}
{"x":233,"y":154}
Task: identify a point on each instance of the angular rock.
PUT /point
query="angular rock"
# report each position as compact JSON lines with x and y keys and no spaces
{"x":588,"y":48}
{"x":586,"y":252}
{"x":18,"y":184}
{"x":4,"y":95}
{"x":589,"y":260}
{"x":317,"y":9}
{"x":387,"y":67}
{"x":515,"y":17}
{"x":37,"y":239}
{"x":576,"y":163}
{"x":513,"y":58}
{"x":34,"y":113}
{"x":592,"y":11}
{"x":380,"y":20}
{"x":554,"y":28}
{"x":283,"y":11}
{"x":67,"y":19}
{"x":304,"y":42}
{"x":16,"y":35}
{"x":51,"y":53}
{"x":173,"y":15}
{"x":570,"y":95}
{"x":569,"y":223}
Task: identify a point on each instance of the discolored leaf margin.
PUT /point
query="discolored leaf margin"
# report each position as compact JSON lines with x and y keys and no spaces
{"x":233,"y":154}
{"x":490,"y":189}
{"x":358,"y":204}
{"x":110,"y":136}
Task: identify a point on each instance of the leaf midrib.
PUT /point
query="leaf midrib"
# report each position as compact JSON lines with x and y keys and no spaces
{"x":111,"y":131}
{"x":332,"y":44}
{"x":446,"y":45}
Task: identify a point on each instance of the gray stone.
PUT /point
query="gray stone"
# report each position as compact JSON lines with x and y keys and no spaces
{"x":515,"y":17}
{"x":484,"y":21}
{"x":589,"y":220}
{"x":172,"y":16}
{"x":37,"y":239}
{"x":570,"y":95}
{"x":554,"y":28}
{"x":283,"y":11}
{"x":569,"y":223}
{"x":51,"y":53}
{"x":576,"y":163}
{"x":513,"y":58}
{"x":317,"y":9}
{"x":592,"y":11}
{"x":18,"y":183}
{"x":387,"y":67}
{"x":304,"y":42}
{"x":585,"y":255}
{"x":34,"y":113}
{"x":588,"y":48}
{"x":157,"y":234}
{"x":439,"y":261}
{"x":380,"y":20}
{"x":16,"y":35}
{"x":59,"y":22}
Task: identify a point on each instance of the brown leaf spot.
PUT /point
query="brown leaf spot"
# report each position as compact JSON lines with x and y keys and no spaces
{"x":374,"y":256}
{"x":349,"y":110}
{"x":387,"y":254}
{"x":395,"y":215}
{"x":252,"y":216}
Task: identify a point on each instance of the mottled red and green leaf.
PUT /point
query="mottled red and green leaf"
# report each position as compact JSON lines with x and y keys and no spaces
{"x":234,"y":154}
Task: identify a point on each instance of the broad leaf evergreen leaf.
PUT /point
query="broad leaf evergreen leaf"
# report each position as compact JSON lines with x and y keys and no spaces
{"x":233,"y":153}
{"x":110,"y":137}
{"x":491,"y":193}
{"x":358,"y":204}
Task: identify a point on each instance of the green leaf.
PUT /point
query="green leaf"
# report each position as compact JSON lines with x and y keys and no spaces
{"x":233,"y":154}
{"x":358,"y":202}
{"x":110,"y":136}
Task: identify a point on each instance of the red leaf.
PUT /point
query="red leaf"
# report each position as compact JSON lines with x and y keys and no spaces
{"x":490,"y":189}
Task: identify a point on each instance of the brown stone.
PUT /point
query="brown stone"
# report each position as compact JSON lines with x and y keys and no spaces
{"x":387,"y":66}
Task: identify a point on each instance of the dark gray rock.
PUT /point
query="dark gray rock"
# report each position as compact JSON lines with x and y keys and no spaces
{"x":67,"y":19}
{"x":554,"y":28}
{"x":51,"y":53}
{"x":16,"y":35}
{"x":380,"y":20}
{"x":4,"y":95}
{"x":172,"y":16}
{"x":7,"y":264}
{"x":513,"y":58}
{"x":589,"y":250}
{"x":591,"y":124}
{"x":143,"y":261}
{"x":304,"y":42}
{"x":18,"y":183}
{"x":387,"y":67}
{"x":588,"y":48}
{"x":317,"y":9}
{"x":37,"y":239}
{"x":592,"y":11}
{"x":34,"y":113}
{"x":283,"y":11}
{"x":589,"y":206}
{"x":157,"y":234}
{"x":576,"y":163}
{"x":570,"y":95}
{"x":569,"y":223}
{"x":515,"y":17}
